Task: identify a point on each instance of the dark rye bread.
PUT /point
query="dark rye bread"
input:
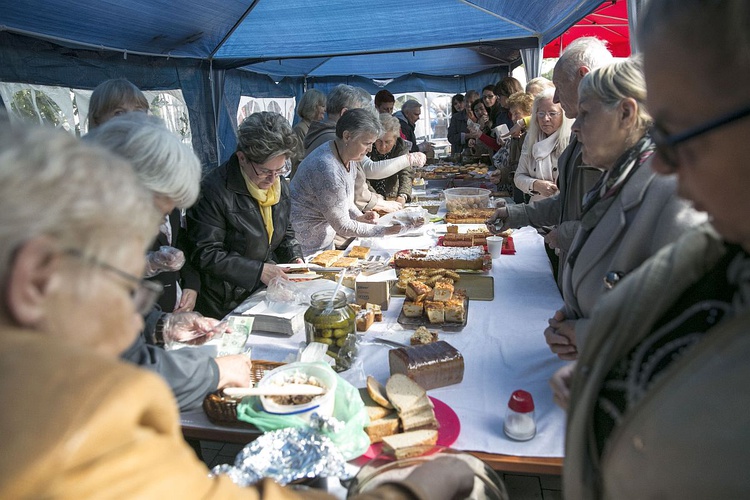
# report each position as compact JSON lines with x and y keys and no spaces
{"x":431,"y":365}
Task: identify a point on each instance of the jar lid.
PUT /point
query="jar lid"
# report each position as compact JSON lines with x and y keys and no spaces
{"x":521,"y":402}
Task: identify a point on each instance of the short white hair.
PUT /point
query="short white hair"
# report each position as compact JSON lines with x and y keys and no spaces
{"x":51,"y":184}
{"x":391,"y":124}
{"x":163,"y":163}
{"x":587,"y":51}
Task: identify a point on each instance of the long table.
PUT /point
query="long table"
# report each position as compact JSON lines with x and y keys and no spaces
{"x":503,"y":349}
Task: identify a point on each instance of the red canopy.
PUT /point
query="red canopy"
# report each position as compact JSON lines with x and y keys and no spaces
{"x":607,"y":22}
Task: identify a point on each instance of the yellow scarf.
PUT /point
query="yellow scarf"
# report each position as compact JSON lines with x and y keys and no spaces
{"x":266,"y":198}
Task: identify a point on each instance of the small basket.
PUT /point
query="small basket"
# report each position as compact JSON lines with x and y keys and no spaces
{"x":222,"y":409}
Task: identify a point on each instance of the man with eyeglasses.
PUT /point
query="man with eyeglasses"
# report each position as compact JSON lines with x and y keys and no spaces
{"x":563,"y":210}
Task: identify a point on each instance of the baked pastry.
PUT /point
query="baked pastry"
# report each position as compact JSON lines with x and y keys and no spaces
{"x":431,"y":365}
{"x":376,"y":310}
{"x":364,"y":320}
{"x":345,"y":262}
{"x":443,"y":291}
{"x":413,"y":309}
{"x":358,"y":252}
{"x":423,"y":336}
{"x":435,"y":311}
{"x":327,"y":257}
{"x":455,"y":310}
{"x":442,"y":257}
{"x":416,"y":290}
{"x":469,"y":215}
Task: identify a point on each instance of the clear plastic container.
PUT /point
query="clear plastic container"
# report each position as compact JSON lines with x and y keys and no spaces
{"x":322,"y":405}
{"x":464,"y":198}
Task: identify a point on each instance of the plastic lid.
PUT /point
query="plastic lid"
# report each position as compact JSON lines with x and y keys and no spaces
{"x":521,"y":402}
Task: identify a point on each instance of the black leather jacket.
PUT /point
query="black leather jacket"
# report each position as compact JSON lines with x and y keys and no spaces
{"x":229,"y":242}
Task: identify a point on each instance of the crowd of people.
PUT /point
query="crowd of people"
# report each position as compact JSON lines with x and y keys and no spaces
{"x":115,"y":244}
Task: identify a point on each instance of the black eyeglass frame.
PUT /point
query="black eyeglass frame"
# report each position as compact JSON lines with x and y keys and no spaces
{"x":665,"y":143}
{"x":146,"y":293}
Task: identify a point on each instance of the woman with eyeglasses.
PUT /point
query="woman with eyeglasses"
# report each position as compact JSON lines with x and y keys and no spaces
{"x":323,"y":189}
{"x":240,"y":229}
{"x":75,"y":222}
{"x":657,"y":401}
{"x":629,"y":214}
{"x":547,"y":137}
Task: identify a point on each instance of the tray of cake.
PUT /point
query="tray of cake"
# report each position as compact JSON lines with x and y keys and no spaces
{"x":455,"y":258}
{"x":477,"y":286}
{"x":441,"y":306}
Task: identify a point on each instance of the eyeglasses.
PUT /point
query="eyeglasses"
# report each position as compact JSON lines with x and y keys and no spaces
{"x":264,"y":172}
{"x":489,"y":97}
{"x":551,"y":114}
{"x":666,"y":145}
{"x":144,"y":294}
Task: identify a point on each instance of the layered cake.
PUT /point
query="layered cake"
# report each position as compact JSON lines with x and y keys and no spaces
{"x":443,"y":258}
{"x":469,"y":215}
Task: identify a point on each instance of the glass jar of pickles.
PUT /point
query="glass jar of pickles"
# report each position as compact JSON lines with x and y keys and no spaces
{"x":332,"y":324}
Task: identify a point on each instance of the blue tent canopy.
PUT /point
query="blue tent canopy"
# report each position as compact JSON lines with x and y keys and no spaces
{"x":217,"y":50}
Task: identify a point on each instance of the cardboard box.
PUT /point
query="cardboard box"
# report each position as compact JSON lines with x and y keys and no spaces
{"x":375,"y":292}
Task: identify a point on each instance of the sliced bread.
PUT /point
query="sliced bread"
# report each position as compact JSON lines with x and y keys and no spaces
{"x":403,"y":393}
{"x":378,"y":429}
{"x":377,"y":392}
{"x":374,"y":410}
{"x":422,"y":420}
{"x":410,"y":444}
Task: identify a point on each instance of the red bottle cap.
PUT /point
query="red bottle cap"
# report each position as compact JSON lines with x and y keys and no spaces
{"x":521,"y":402}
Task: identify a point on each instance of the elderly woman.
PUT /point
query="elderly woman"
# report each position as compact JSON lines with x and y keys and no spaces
{"x":112,"y":98}
{"x":240,"y":228}
{"x":311,"y":108}
{"x":323,"y":189}
{"x":506,"y":159}
{"x":630,"y":213}
{"x":74,"y":223}
{"x":659,"y":398}
{"x":391,"y":145}
{"x":547,"y":137}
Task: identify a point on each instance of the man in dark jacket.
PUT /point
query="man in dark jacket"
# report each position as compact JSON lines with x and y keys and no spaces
{"x":410,"y":112}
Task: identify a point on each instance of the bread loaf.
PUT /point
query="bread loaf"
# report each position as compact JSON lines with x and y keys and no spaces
{"x":431,"y":365}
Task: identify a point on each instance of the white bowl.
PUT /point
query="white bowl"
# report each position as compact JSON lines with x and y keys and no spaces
{"x":323,"y":405}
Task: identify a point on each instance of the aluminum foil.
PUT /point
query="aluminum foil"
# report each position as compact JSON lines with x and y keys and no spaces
{"x":287,"y":455}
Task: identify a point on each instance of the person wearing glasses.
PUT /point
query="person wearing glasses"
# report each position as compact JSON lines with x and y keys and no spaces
{"x":240,"y":229}
{"x":657,"y":401}
{"x":75,"y":222}
{"x":629,"y":214}
{"x":171,"y":172}
{"x":489,"y":98}
{"x":547,"y":137}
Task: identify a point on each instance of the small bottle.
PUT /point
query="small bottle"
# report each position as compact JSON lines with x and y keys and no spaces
{"x":519,"y":419}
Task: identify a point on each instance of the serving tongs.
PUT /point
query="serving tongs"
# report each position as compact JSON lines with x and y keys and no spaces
{"x":275,"y":390}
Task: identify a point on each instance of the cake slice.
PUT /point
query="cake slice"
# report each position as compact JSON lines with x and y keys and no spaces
{"x":358,"y":252}
{"x":376,"y":310}
{"x":435,"y":311}
{"x":345,"y":262}
{"x":326,"y":258}
{"x":413,"y":309}
{"x":443,"y":291}
{"x":416,"y":289}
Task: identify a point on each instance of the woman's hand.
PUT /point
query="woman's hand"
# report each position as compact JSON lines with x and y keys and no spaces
{"x":234,"y":371}
{"x":187,"y":301}
{"x":545,"y":188}
{"x":271,"y":271}
{"x":560,"y":384}
{"x":369,"y":217}
{"x":417,"y":159}
{"x":561,"y":336}
{"x":388,"y":206}
{"x":551,"y":239}
{"x":401,"y":200}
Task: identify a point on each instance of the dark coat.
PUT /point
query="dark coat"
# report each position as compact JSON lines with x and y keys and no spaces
{"x":408,"y":132}
{"x":457,"y":127}
{"x":228,"y":240}
{"x":188,"y":277}
{"x":397,"y":184}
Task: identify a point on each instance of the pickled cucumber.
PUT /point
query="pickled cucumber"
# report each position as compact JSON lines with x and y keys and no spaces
{"x":340,"y":332}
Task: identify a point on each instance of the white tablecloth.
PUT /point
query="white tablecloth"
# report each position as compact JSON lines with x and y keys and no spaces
{"x":502,"y":345}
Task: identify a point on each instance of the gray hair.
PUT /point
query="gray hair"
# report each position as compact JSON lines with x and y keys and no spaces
{"x":109,"y":95}
{"x":723,"y":49}
{"x":266,"y":135}
{"x":563,"y":138}
{"x":52,"y":184}
{"x":162,"y":162}
{"x":612,"y":83}
{"x":358,"y":121}
{"x":390,"y":124}
{"x":587,"y":51}
{"x":345,"y":96}
{"x":539,"y":84}
{"x":308,"y":104}
{"x":409,"y":105}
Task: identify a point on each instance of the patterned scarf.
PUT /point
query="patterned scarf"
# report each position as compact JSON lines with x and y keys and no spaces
{"x":266,"y":198}
{"x":598,"y":200}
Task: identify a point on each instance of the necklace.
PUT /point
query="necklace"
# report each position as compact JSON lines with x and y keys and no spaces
{"x":341,"y":158}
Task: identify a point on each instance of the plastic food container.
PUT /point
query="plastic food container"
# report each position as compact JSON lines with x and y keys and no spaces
{"x":323,"y":405}
{"x":463,"y":198}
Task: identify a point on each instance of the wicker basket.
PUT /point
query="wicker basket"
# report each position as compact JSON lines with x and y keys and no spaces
{"x":222,"y":409}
